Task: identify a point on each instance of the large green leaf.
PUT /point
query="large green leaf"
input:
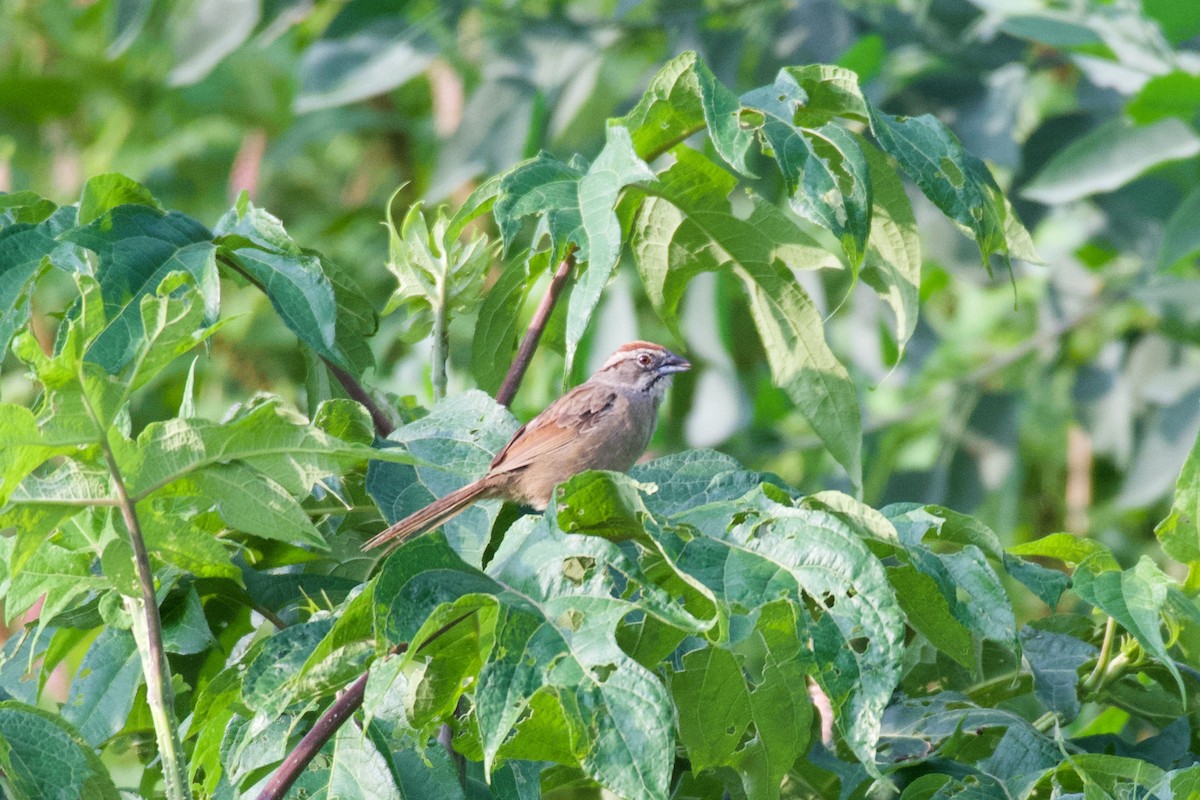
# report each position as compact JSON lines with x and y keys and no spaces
{"x":103,"y":690}
{"x":958,"y":183}
{"x":756,"y":718}
{"x":756,"y":550}
{"x":321,"y":305}
{"x":456,"y":442}
{"x":688,"y":227}
{"x":138,"y":246}
{"x":43,"y":757}
{"x":558,"y":600}
{"x":823,"y":167}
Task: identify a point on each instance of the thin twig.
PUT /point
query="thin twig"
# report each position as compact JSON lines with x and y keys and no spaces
{"x":333,"y":718}
{"x":383,"y":423}
{"x":512,"y":381}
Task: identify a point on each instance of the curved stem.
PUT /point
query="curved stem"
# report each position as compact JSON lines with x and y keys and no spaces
{"x":1092,"y":682}
{"x":533,"y":334}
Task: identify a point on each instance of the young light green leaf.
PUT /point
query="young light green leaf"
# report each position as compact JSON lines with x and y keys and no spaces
{"x":43,"y":757}
{"x":104,"y":192}
{"x":1134,"y":598}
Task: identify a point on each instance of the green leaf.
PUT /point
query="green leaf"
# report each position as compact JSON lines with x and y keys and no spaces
{"x":957,"y":183}
{"x":268,"y":684}
{"x":576,"y":205}
{"x":138,"y":246}
{"x":1176,"y":94}
{"x":689,"y":227}
{"x":695,"y":478}
{"x":252,"y":502}
{"x":1054,"y":659}
{"x":63,"y":576}
{"x":264,"y":435}
{"x":321,"y":305}
{"x":968,"y":583}
{"x":26,"y":248}
{"x":102,"y":193}
{"x":928,"y":612}
{"x":1068,"y":548}
{"x":496,"y":327}
{"x":1179,"y":533}
{"x":829,"y":91}
{"x":103,"y":689}
{"x":757,"y":550}
{"x":173,"y":322}
{"x":438,"y":277}
{"x":42,"y":756}
{"x":682,"y":99}
{"x":456,"y":442}
{"x":185,"y":628}
{"x":204,"y":32}
{"x":617,"y":166}
{"x":558,"y":601}
{"x":823,"y":167}
{"x":1109,"y":157}
{"x":757,"y":725}
{"x":893,"y":261}
{"x":1135,"y":599}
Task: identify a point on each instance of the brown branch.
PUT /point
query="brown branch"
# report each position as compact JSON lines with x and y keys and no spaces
{"x":383,"y":423}
{"x":329,"y":722}
{"x":512,"y":381}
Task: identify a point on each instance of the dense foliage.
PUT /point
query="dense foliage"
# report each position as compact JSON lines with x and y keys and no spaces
{"x":189,"y":460}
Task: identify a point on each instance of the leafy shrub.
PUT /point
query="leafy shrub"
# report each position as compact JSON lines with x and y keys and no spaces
{"x":693,"y":629}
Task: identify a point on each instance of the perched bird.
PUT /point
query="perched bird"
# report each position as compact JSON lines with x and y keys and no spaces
{"x":603,"y":423}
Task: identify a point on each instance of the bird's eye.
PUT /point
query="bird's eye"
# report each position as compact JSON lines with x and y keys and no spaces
{"x":644,"y":360}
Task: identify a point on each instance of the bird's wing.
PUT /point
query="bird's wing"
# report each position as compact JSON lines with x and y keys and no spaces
{"x":563,"y":421}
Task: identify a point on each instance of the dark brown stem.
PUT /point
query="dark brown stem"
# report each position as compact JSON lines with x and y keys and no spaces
{"x":512,"y":381}
{"x":383,"y":423}
{"x":334,"y":717}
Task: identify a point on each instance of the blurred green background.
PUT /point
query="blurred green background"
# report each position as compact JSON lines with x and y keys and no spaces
{"x":1064,"y":399}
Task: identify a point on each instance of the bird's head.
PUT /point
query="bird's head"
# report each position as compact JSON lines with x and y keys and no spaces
{"x":642,"y":367}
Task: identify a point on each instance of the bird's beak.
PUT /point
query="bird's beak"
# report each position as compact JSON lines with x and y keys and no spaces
{"x":672,"y":364}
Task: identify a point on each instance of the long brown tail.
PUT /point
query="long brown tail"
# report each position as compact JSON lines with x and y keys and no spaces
{"x":430,"y":516}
